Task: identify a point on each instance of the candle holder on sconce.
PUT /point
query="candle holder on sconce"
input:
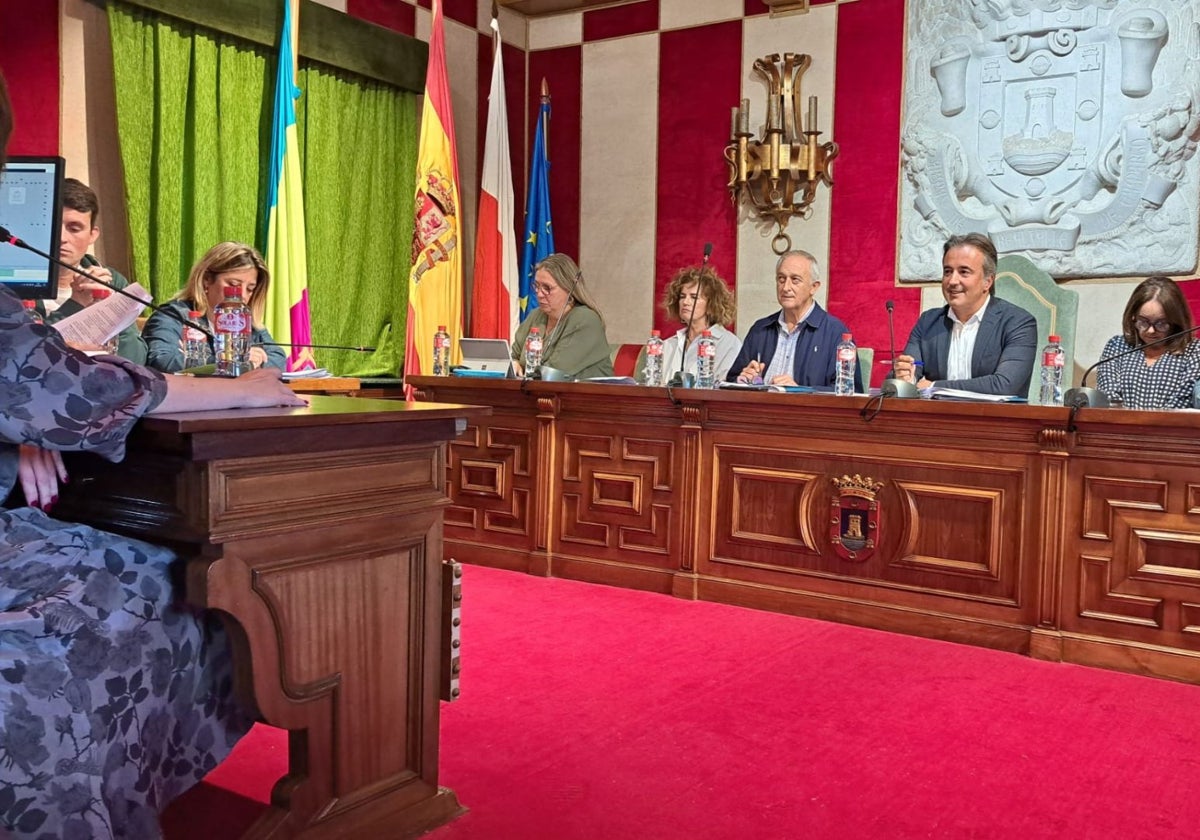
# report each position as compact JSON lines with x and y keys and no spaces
{"x":778,"y":173}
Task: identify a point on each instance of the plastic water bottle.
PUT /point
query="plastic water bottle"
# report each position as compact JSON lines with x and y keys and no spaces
{"x":1053,"y":360}
{"x":441,"y":352}
{"x":31,"y":311}
{"x":109,"y":346}
{"x":533,"y":352}
{"x":195,"y":343}
{"x":706,"y":361}
{"x":231,"y":334}
{"x":654,"y":351}
{"x":847,"y":360}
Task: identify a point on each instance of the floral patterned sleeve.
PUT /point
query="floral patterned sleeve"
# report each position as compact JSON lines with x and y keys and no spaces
{"x":58,"y":398}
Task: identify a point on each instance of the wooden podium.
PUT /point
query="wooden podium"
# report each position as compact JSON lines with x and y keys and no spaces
{"x":318,"y":535}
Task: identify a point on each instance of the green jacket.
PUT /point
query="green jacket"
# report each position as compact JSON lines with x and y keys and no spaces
{"x":579,"y":348}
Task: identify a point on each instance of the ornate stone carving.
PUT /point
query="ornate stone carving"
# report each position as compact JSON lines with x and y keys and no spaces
{"x":1062,"y":127}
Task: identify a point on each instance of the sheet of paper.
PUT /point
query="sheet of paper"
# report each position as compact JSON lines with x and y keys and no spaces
{"x":96,"y":324}
{"x":970,"y":396}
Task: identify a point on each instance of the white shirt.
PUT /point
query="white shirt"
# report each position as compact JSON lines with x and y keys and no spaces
{"x":785,"y":347}
{"x":962,"y":343}
{"x":728,"y":347}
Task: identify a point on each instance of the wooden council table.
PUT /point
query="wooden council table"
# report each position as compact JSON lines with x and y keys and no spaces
{"x":991,"y":524}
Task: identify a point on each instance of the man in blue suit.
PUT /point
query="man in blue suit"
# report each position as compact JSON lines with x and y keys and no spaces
{"x":976,"y":342}
{"x":798,"y":344}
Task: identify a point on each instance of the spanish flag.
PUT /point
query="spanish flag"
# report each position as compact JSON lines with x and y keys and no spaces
{"x":435,"y":284}
{"x":287,"y":253}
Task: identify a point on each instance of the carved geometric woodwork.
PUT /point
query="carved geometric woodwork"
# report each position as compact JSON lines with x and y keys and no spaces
{"x":994,"y":525}
{"x":491,"y":467}
{"x":616,"y":493}
{"x":1103,"y":496}
{"x":1140,"y":554}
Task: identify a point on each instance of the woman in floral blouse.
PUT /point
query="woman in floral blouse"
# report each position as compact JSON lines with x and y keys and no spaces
{"x":114,"y":697}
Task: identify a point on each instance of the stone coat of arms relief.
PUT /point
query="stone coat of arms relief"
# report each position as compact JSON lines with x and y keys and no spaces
{"x":1066,"y":129}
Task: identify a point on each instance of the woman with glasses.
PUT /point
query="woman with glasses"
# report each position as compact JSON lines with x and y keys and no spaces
{"x":1162,"y":375}
{"x":572,"y":328}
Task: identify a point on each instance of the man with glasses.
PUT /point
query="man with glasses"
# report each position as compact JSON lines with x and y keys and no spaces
{"x":798,"y":344}
{"x":976,"y":342}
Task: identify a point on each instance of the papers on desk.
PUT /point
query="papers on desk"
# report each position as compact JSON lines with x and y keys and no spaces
{"x":94,"y":325}
{"x":936,"y":393}
{"x":314,"y":373}
{"x":612,"y":380}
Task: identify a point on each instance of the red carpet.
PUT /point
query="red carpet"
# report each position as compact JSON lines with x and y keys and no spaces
{"x":591,"y":713}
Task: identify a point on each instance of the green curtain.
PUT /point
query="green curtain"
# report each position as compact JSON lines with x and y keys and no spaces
{"x":194,"y":111}
{"x":358,"y":142}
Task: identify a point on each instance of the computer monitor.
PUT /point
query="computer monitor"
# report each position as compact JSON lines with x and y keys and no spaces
{"x":31,"y":209}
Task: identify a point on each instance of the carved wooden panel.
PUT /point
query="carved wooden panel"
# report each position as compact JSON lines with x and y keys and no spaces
{"x":769,"y":505}
{"x":617,"y":496}
{"x":1134,"y":563}
{"x":967,"y":539}
{"x":1105,"y":496}
{"x":363,"y":593}
{"x":490,"y":482}
{"x":952,"y":529}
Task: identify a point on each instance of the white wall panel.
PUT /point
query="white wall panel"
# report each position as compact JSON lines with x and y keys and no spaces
{"x":676,"y":14}
{"x":815,"y":34}
{"x":555,"y":31}
{"x":618,"y":186}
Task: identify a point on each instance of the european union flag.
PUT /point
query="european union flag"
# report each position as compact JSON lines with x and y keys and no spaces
{"x":539,"y":235}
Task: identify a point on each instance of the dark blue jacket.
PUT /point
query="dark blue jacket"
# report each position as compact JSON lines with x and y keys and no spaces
{"x":815,"y":362}
{"x":1004,"y":354}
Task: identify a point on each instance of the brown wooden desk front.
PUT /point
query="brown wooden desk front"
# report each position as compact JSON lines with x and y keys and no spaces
{"x":994,"y":525}
{"x":318,"y":532}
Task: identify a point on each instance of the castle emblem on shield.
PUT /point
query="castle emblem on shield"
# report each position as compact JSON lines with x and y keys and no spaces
{"x":854,"y":517}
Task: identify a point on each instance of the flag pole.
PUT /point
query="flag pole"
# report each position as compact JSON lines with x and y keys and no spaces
{"x":546,"y":126}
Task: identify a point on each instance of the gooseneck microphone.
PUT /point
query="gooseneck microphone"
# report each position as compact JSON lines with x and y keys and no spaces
{"x":894,"y":386}
{"x":7,"y":236}
{"x":679,"y":379}
{"x":1084,"y":397}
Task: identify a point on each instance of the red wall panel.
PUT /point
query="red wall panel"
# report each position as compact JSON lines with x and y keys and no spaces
{"x":693,"y":201}
{"x":562,"y":70}
{"x":29,"y":59}
{"x":862,"y":248}
{"x":393,"y":14}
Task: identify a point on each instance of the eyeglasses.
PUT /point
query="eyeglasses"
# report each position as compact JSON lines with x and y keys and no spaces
{"x":1160,"y":326}
{"x":543,"y":290}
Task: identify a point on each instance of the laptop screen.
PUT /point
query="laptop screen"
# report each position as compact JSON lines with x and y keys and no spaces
{"x":486,"y":354}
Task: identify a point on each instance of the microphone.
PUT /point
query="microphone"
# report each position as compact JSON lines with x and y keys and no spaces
{"x":1084,"y":397}
{"x":893,"y":386}
{"x":6,"y":236}
{"x":679,"y":379}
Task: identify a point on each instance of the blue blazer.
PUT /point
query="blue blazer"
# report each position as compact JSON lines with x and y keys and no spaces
{"x":1005,"y":349}
{"x":815,"y":362}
